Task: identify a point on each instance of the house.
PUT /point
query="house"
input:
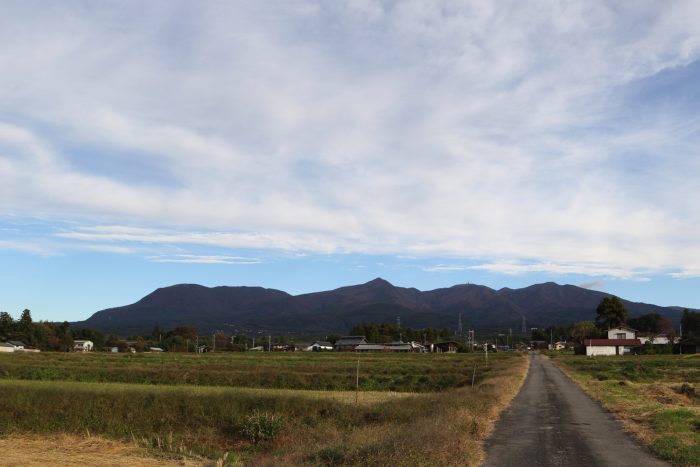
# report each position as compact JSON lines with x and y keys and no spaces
{"x":6,"y":347}
{"x":560,"y":345}
{"x":622,"y":332}
{"x":599,"y":347}
{"x":304,"y":347}
{"x":321,"y":346}
{"x":82,"y":346}
{"x":348,"y":343}
{"x":446,"y":347}
{"x":17,"y":345}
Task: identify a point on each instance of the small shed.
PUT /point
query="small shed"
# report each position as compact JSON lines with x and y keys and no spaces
{"x":446,"y":347}
{"x":82,"y":346}
{"x":18,"y":345}
{"x":321,"y":346}
{"x":6,"y":347}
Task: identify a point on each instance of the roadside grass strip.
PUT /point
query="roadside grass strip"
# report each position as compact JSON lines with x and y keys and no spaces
{"x":656,"y":397}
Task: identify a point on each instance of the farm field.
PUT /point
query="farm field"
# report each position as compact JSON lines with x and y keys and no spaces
{"x":266,"y":409}
{"x":657,"y":397}
{"x":320,"y":371}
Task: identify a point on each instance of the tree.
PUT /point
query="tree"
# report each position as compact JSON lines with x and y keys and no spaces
{"x":691,"y":322}
{"x":7,"y":324}
{"x":611,"y":313}
{"x":582,"y":330}
{"x":647,"y":323}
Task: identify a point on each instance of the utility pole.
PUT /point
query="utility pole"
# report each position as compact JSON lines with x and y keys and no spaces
{"x":551,"y":342}
{"x":357,"y":380}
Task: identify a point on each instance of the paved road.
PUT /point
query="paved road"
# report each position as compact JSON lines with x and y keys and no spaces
{"x":552,"y":422}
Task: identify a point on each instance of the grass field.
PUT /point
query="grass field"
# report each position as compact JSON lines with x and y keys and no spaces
{"x":411,"y":409}
{"x":657,"y":397}
{"x":301,"y":370}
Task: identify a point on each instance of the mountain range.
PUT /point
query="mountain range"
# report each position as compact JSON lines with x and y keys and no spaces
{"x":257,"y":310}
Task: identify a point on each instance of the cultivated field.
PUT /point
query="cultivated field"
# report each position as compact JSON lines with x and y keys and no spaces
{"x":266,"y":409}
{"x":656,"y":396}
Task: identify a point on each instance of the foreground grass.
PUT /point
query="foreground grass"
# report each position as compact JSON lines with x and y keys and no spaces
{"x":318,"y":427}
{"x":656,"y":397}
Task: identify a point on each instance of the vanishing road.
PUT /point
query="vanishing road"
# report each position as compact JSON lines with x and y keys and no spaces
{"x":552,"y":422}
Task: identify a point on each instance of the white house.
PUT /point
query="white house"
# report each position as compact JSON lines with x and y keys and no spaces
{"x":622,"y":332}
{"x":621,"y":340}
{"x":5,"y":347}
{"x":82,"y":346}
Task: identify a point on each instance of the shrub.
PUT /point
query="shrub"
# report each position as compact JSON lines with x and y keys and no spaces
{"x":261,"y":426}
{"x":330,"y":456}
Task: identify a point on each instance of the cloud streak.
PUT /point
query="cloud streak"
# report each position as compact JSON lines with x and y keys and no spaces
{"x":557,"y":142}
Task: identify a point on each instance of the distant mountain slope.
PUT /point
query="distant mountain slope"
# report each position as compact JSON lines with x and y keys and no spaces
{"x":256,"y":309}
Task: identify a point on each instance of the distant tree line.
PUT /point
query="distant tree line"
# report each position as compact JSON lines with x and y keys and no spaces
{"x":60,"y":337}
{"x":388,"y":332}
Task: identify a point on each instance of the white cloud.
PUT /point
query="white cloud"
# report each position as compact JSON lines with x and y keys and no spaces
{"x":196,"y":259}
{"x":687,"y":273}
{"x":482,"y":130}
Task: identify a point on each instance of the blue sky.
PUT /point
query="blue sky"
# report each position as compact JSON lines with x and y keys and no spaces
{"x":306,"y":145}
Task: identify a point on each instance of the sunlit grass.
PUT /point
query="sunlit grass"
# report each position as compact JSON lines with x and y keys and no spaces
{"x":655,"y":396}
{"x":318,"y":426}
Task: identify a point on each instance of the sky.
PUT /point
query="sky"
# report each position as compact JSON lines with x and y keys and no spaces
{"x":308,"y":145}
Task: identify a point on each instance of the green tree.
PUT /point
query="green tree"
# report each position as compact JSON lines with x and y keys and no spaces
{"x":611,"y":313}
{"x":651,"y":322}
{"x":25,"y":322}
{"x":7,"y":324}
{"x":691,"y":322}
{"x":582,"y":330}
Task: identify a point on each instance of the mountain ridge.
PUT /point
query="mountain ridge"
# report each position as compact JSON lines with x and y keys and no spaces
{"x":246,"y":309}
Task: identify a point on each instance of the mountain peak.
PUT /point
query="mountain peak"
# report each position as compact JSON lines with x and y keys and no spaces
{"x":379,"y":282}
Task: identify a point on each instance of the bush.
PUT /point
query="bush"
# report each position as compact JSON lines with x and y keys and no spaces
{"x":261,"y":426}
{"x":330,"y":456}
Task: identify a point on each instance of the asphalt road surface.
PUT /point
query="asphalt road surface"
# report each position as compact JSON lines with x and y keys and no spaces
{"x":552,"y":422}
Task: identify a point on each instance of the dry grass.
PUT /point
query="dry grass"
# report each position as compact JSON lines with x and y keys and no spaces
{"x":425,"y":429}
{"x":320,"y":427}
{"x":655,"y":412}
{"x":32,"y":450}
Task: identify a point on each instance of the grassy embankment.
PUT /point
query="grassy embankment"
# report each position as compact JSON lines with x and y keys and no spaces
{"x":657,"y":398}
{"x":445,"y":423}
